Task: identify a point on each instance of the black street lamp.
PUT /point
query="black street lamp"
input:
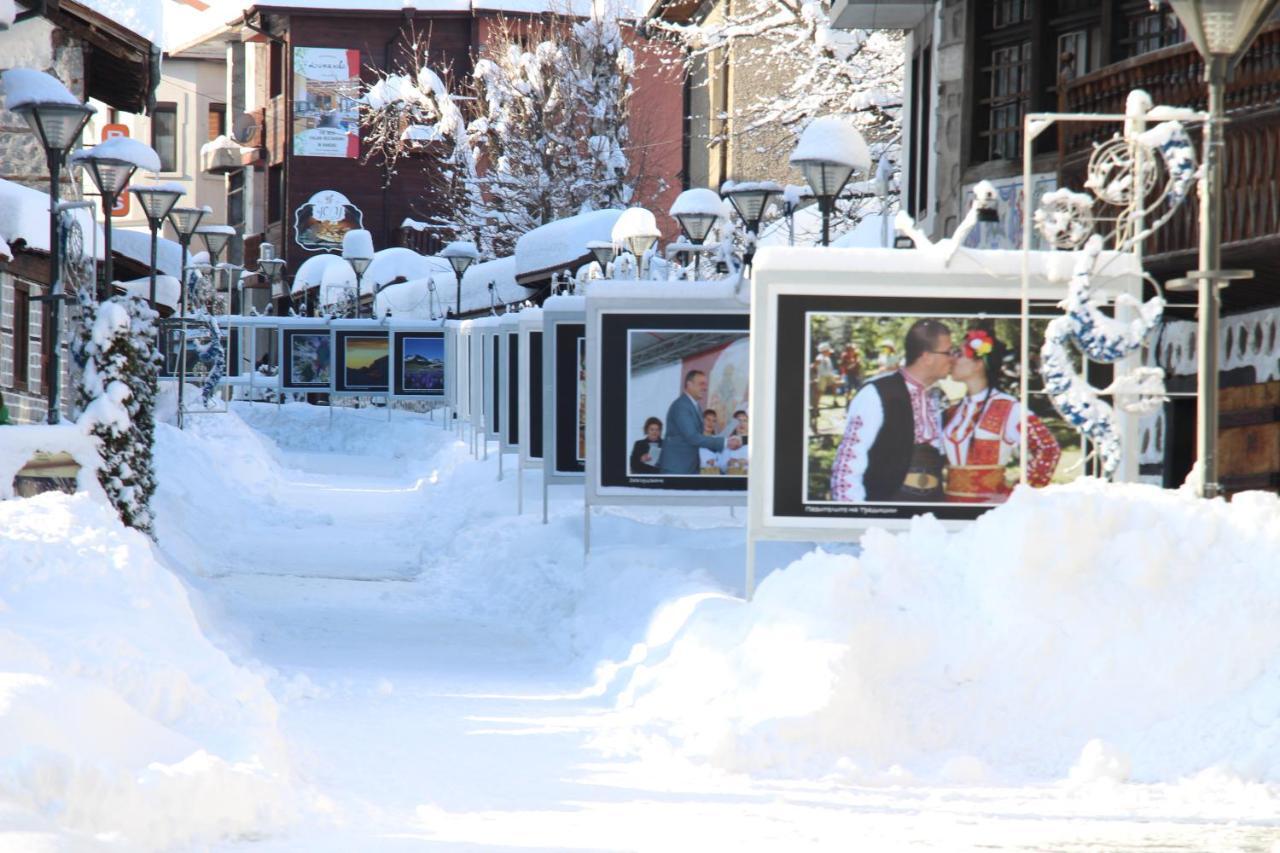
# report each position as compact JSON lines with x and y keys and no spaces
{"x":828,"y":153}
{"x":602,"y":251}
{"x":156,"y":202}
{"x":750,"y":200}
{"x":460,"y":254}
{"x":56,"y":122}
{"x":1222,"y":31}
{"x":111,"y":165}
{"x":184,"y":220}
{"x":696,"y":211}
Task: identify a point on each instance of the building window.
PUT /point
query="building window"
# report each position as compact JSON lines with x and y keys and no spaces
{"x":921,"y":98}
{"x":1007,"y":13}
{"x":235,"y":199}
{"x":275,"y":193}
{"x":21,"y":334}
{"x":276,"y":51}
{"x":217,"y":121}
{"x":1148,"y":31}
{"x":164,"y":135}
{"x":1010,"y":94}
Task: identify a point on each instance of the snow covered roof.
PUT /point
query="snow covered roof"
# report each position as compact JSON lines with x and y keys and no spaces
{"x":410,"y":299}
{"x":399,"y":262}
{"x":142,"y":17}
{"x":311,"y":271}
{"x":24,"y":216}
{"x":562,"y":244}
{"x":168,"y":291}
{"x":574,"y":7}
{"x":136,"y":245}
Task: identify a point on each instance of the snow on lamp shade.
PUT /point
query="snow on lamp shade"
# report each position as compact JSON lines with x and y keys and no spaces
{"x":158,"y":199}
{"x":637,"y":229}
{"x":119,"y":151}
{"x":1222,"y":27}
{"x":602,"y":251}
{"x":829,"y":151}
{"x":357,"y":244}
{"x":696,"y":210}
{"x":460,"y":254}
{"x":186,"y":219}
{"x":215,"y":238}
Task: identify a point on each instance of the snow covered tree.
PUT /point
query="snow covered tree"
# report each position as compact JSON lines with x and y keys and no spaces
{"x":790,"y":66}
{"x":117,"y":398}
{"x":547,"y":137}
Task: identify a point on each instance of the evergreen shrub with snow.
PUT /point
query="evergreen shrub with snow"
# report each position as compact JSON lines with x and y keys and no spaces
{"x":117,"y":393}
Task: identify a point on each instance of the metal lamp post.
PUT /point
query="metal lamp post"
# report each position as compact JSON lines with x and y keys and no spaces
{"x":269,"y":267}
{"x":1222,"y":30}
{"x":156,"y":202}
{"x":216,"y":239}
{"x":829,"y":151}
{"x":460,"y":255}
{"x":602,"y":251}
{"x":185,"y":220}
{"x":57,"y":126}
{"x":111,"y":166}
{"x":750,"y":201}
{"x":696,"y":211}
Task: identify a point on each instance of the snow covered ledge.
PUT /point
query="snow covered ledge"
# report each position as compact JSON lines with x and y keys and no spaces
{"x":18,"y":444}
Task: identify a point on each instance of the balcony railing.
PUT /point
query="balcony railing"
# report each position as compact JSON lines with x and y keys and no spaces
{"x":1174,"y":76}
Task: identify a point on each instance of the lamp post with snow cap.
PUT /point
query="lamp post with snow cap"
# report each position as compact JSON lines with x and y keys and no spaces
{"x":56,"y":117}
{"x":460,"y":254}
{"x":1222,"y":31}
{"x":184,"y":220}
{"x":602,"y":251}
{"x":111,"y":165}
{"x":637,"y":230}
{"x":216,"y":238}
{"x":357,"y":250}
{"x":156,"y":202}
{"x":696,"y":211}
{"x":750,"y":201}
{"x":830,"y":150}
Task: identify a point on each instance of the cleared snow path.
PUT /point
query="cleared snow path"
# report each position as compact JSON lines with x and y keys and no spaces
{"x":432,"y":654}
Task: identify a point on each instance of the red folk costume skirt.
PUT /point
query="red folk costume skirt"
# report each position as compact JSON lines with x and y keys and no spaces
{"x":982,"y":478}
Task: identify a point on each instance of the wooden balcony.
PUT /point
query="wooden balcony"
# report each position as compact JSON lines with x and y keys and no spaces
{"x":1174,"y":76}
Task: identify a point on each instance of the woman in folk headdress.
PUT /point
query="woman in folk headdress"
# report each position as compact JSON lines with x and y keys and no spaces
{"x":981,"y":433}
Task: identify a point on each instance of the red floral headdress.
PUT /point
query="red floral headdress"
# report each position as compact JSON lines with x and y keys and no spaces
{"x":978,"y":343}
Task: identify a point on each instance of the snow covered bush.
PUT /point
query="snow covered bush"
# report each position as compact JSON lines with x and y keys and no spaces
{"x":117,"y":348}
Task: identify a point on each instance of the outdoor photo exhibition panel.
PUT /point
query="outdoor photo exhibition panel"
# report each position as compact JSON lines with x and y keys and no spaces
{"x":419,"y":364}
{"x":509,"y":382}
{"x":306,"y":357}
{"x":475,"y":385}
{"x":361,"y":351}
{"x":488,"y":328}
{"x":849,"y":438}
{"x":564,"y":415}
{"x":669,"y":396}
{"x":462,"y":372}
{"x":530,"y":391}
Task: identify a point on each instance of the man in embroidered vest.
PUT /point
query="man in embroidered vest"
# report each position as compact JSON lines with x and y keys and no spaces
{"x":892,"y":445}
{"x":685,"y":429}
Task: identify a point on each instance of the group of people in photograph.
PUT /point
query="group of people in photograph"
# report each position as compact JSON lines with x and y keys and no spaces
{"x":692,"y":440}
{"x":903,"y":441}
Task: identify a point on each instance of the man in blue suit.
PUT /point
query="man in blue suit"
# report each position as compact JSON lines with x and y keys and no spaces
{"x":684,"y":429}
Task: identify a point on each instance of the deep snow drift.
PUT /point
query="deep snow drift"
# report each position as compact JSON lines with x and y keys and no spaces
{"x":340,"y":584}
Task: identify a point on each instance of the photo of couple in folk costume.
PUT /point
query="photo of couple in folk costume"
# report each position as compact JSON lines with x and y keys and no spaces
{"x":905,"y":442}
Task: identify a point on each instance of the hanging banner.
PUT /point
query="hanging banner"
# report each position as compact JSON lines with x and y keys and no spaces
{"x":326,"y":119}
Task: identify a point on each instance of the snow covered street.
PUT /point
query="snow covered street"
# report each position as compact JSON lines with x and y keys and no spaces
{"x":428,"y":670}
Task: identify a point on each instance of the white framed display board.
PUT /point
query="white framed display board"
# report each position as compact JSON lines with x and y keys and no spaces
{"x":419,"y":361}
{"x":306,"y":356}
{"x":508,"y":390}
{"x":564,"y":392}
{"x":361,"y":352}
{"x":475,"y":383}
{"x":486,"y":330}
{"x":827,"y":467}
{"x":462,"y":371}
{"x":529,"y":394}
{"x":668,"y":390}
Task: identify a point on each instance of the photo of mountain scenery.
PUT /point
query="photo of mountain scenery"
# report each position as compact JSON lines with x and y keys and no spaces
{"x":365,"y":361}
{"x":422,"y":364}
{"x":309,"y":359}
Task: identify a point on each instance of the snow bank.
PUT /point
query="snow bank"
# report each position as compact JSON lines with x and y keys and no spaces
{"x":1084,"y":632}
{"x":117,"y":713}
